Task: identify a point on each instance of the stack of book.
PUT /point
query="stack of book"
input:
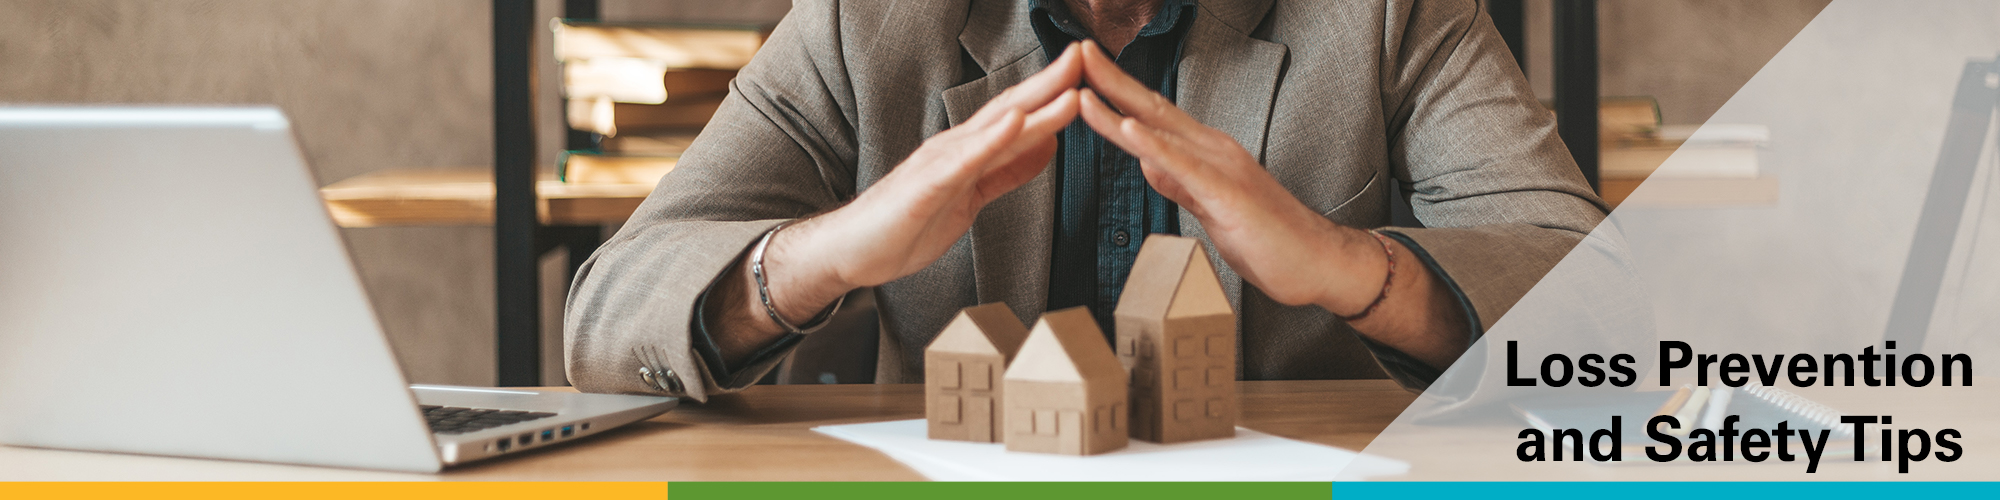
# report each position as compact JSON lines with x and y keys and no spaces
{"x":1714,"y":164}
{"x":1636,"y":144}
{"x":645,"y":89}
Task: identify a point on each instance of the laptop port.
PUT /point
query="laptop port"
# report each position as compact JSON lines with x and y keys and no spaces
{"x":548,"y":435}
{"x":524,"y":439}
{"x":505,"y":444}
{"x":568,"y":431}
{"x":586,"y":426}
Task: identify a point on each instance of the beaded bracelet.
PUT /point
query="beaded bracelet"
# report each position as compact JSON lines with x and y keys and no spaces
{"x":1386,"y":280}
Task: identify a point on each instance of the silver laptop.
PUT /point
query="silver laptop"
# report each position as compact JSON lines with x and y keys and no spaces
{"x":170,"y":284}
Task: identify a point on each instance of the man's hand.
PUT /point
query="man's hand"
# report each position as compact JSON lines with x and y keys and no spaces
{"x":1268,"y":236}
{"x":913,"y":215}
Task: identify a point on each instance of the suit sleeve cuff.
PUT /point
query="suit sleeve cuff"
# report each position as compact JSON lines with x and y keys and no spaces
{"x":725,"y":376}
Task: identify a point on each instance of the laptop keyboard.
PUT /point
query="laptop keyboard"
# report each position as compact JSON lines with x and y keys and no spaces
{"x":456,"y":420}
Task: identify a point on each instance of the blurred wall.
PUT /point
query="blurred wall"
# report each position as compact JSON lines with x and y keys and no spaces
{"x":1691,"y":55}
{"x":374,"y":84}
{"x":368,"y":84}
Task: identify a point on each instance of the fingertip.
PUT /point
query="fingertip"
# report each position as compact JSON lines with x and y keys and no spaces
{"x":1073,"y":55}
{"x":1096,"y":100}
{"x":1089,"y":106}
{"x":1003,"y":130}
{"x":1071,"y":103}
{"x":1057,"y":114}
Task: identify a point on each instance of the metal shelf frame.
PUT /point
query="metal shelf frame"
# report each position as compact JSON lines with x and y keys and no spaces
{"x":1573,"y":61}
{"x":519,"y":238}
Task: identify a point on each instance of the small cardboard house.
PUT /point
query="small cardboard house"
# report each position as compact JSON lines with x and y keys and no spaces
{"x":1177,"y":335}
{"x":963,"y":367}
{"x":1065,"y":390}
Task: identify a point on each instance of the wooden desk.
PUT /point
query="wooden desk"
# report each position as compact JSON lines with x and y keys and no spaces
{"x":761,"y":434}
{"x":463,"y":196}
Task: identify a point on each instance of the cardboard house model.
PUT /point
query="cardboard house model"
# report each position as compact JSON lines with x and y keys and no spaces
{"x":1177,"y":334}
{"x":962,"y":370}
{"x":1065,"y":390}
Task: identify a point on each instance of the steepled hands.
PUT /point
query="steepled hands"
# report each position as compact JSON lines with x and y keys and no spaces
{"x":911,"y":217}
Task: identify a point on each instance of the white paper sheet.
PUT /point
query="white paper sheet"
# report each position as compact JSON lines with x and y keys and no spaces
{"x":1250,"y":456}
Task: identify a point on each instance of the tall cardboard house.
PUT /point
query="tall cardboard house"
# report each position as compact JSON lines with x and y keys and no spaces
{"x":1065,"y":390}
{"x":963,"y":367}
{"x":1177,"y":334}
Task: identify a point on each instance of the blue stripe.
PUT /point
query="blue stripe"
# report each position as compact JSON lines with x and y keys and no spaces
{"x":1664,"y":490}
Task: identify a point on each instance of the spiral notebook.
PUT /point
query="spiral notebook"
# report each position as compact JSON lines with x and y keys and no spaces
{"x":1760,"y":407}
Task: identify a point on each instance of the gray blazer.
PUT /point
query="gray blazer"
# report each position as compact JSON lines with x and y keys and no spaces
{"x":1336,"y":97}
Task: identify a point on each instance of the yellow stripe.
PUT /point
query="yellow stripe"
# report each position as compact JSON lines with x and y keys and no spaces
{"x":333,"y":491}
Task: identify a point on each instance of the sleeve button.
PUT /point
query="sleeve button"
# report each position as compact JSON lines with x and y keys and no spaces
{"x":663,"y":379}
{"x":668,"y":381}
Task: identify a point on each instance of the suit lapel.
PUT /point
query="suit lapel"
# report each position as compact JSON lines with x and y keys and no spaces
{"x":1227,"y":81}
{"x":1011,"y":238}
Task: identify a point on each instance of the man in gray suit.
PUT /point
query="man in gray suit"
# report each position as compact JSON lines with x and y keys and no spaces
{"x":952,"y":153}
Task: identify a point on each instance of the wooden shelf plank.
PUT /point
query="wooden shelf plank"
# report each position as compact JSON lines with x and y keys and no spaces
{"x":463,"y":196}
{"x":1692,"y":192}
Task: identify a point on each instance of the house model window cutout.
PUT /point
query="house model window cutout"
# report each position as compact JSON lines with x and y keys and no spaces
{"x":1177,"y":334}
{"x":962,"y":373}
{"x":1065,"y":390}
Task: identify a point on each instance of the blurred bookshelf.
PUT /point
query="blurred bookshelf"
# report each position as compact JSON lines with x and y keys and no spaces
{"x":1714,"y":165}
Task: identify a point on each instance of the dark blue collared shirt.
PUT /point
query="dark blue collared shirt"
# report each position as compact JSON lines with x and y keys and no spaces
{"x":1104,"y":208}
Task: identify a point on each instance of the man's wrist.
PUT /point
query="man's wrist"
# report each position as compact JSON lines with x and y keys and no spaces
{"x":801,"y":283}
{"x":1358,"y":266}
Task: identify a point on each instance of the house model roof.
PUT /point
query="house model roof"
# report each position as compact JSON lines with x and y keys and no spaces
{"x":984,"y":329}
{"x":1172,"y":278}
{"x":1065,"y":346}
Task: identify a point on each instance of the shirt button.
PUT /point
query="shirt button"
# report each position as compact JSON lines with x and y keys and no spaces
{"x":1121,"y":238}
